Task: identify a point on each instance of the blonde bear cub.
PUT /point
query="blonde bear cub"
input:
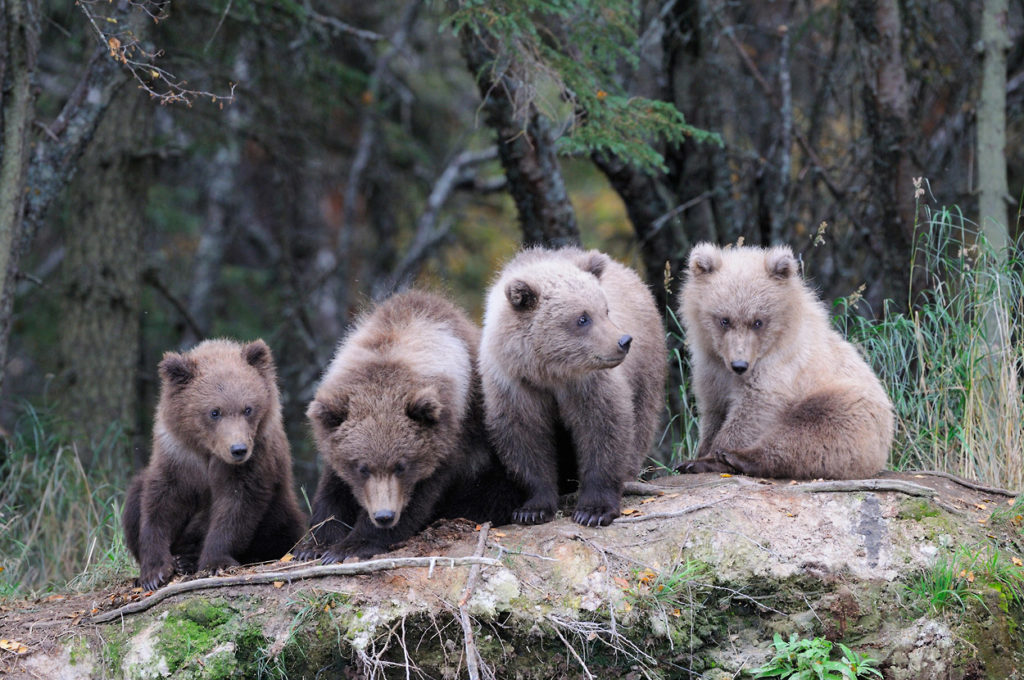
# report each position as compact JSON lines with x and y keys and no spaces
{"x":780,"y":393}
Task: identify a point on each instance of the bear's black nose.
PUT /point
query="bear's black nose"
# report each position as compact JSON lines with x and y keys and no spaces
{"x":739,"y":366}
{"x":624,"y":342}
{"x":384,"y":517}
{"x":238,"y":451}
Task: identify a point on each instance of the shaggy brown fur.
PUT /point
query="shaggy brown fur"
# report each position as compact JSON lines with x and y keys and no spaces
{"x":573,"y":362}
{"x":398,"y":423}
{"x":218,"y":488}
{"x":779,"y":391}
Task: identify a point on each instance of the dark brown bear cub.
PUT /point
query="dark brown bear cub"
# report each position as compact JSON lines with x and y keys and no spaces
{"x":573,"y":363}
{"x":218,"y":488}
{"x":398,"y":423}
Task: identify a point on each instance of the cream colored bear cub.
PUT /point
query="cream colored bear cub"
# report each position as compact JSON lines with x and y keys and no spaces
{"x":573,"y":364}
{"x":780,"y":393}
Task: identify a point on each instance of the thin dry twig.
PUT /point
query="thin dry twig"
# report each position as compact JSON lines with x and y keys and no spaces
{"x":668,"y":515}
{"x":317,"y":571}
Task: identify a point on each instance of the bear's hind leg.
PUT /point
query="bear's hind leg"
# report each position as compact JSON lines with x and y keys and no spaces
{"x":833,"y":434}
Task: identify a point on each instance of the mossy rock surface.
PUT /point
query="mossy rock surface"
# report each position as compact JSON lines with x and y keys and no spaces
{"x":691,"y":583}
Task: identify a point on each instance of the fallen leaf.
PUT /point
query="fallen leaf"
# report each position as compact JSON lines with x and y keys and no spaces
{"x":649,"y":500}
{"x":1,"y":568}
{"x":54,"y":598}
{"x":630,"y":511}
{"x":621,"y":582}
{"x":725,"y":474}
{"x":790,"y":514}
{"x":676,"y":612}
{"x":792,"y":483}
{"x":288,"y":557}
{"x":646,"y":576}
{"x":278,"y":584}
{"x":1017,"y":561}
{"x":979,"y":506}
{"x":13,"y":646}
{"x":499,"y":534}
{"x":918,"y":476}
{"x":671,"y":495}
{"x":479,"y":527}
{"x":592,"y":636}
{"x":982,"y":520}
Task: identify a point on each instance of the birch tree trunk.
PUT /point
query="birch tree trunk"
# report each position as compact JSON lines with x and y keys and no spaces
{"x":992,"y":182}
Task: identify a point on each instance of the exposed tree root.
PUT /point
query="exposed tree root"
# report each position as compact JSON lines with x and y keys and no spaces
{"x":472,"y":656}
{"x":846,"y":485}
{"x":317,"y":571}
{"x":966,"y":483}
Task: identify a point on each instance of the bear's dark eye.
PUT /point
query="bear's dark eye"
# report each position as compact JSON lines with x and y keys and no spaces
{"x":363,"y":471}
{"x":757,"y":323}
{"x":724,"y":321}
{"x":215,"y":414}
{"x":584,"y":320}
{"x":399,"y":468}
{"x":247,"y":411}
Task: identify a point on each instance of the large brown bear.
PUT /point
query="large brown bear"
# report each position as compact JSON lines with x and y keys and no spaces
{"x":779,"y":391}
{"x":218,"y":488}
{"x":398,"y":422}
{"x":573,"y":362}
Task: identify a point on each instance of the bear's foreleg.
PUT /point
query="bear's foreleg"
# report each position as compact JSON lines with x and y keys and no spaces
{"x":599,"y":415}
{"x":240,"y":498}
{"x":165,"y":509}
{"x":521,"y":423}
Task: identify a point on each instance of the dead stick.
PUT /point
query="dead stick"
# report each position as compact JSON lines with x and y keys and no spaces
{"x":467,"y":628}
{"x":845,"y":485}
{"x":966,"y":483}
{"x":318,"y":571}
{"x":668,"y":515}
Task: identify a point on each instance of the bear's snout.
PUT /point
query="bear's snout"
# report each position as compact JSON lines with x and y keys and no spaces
{"x":238,"y":451}
{"x":384,"y":518}
{"x":739,"y":367}
{"x":624,"y":342}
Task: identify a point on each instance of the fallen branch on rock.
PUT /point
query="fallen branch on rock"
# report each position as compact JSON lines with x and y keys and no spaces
{"x":472,"y":656}
{"x":965,"y":483}
{"x":316,"y":571}
{"x":847,"y":485}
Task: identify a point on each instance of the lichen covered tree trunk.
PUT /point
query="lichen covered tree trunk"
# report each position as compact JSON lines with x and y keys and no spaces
{"x":526,"y":147}
{"x":99,"y":339}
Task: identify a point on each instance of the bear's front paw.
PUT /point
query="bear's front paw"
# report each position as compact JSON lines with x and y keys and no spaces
{"x":363,"y":550}
{"x":595,"y":515}
{"x":186,"y":564}
{"x":217,"y":563}
{"x":533,"y":515}
{"x":308,"y":551}
{"x":713,"y":463}
{"x":155,"y":575}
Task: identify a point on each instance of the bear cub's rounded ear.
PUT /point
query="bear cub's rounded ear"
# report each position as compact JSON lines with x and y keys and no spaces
{"x":424,"y":407}
{"x":594,"y":262}
{"x":780,"y":262}
{"x":257,"y":355}
{"x":329,"y":417}
{"x":521,"y":295}
{"x":177,"y":369}
{"x":705,"y":258}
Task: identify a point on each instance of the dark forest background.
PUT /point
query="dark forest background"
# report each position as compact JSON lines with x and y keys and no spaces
{"x":250,"y":168}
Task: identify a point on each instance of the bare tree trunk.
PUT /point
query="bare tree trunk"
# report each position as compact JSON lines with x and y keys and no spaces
{"x":99,"y":338}
{"x":527,"y":152}
{"x":992,"y":182}
{"x":886,"y":98}
{"x":17,"y":109}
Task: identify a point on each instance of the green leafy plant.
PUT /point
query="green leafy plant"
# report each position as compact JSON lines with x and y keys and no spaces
{"x":802,"y":659}
{"x":968,"y":575}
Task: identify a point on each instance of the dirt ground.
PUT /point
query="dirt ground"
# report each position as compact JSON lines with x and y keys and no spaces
{"x":790,"y":528}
